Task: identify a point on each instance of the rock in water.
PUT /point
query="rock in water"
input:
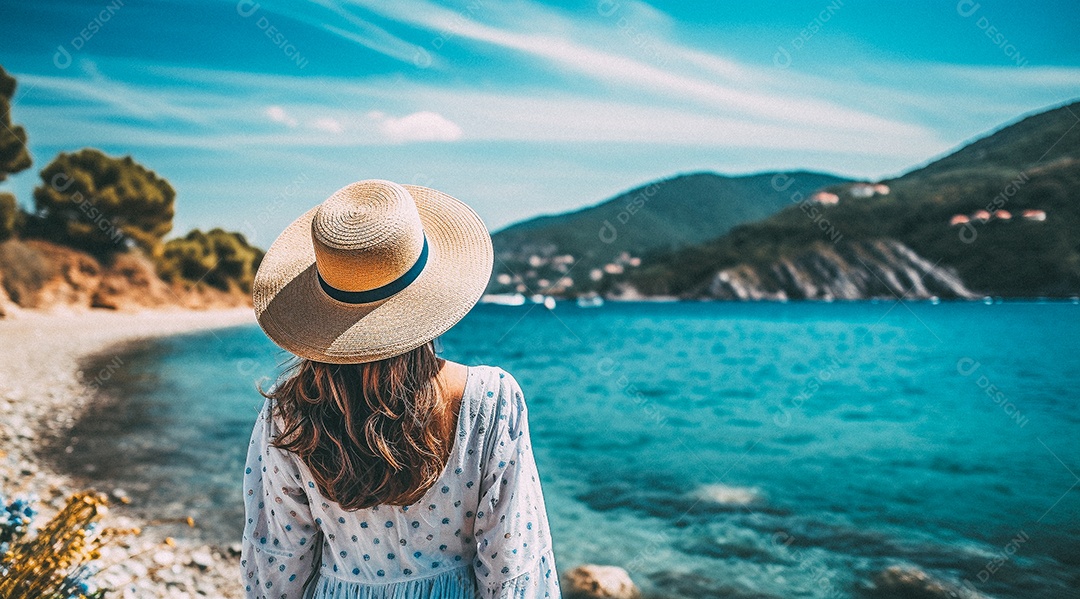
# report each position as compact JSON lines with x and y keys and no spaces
{"x":725,"y":495}
{"x":599,"y":582}
{"x":899,"y":582}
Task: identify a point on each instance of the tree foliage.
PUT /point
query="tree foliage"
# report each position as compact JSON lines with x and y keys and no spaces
{"x":10,"y":216}
{"x":103,"y":204}
{"x":14,"y":156}
{"x":221,"y":259}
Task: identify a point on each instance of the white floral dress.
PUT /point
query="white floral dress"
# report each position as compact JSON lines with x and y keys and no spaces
{"x":480,"y":531}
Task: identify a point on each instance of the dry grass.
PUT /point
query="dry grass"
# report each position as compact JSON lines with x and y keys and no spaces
{"x":57,"y":562}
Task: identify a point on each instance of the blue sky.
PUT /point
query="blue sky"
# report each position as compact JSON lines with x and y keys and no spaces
{"x":257,"y":111}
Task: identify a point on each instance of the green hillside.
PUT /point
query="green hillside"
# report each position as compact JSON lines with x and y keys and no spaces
{"x":1033,"y":164}
{"x":661,"y":216}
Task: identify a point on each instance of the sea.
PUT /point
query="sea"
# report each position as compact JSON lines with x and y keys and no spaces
{"x":741,"y":450}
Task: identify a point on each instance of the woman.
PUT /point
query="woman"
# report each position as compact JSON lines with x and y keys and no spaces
{"x":377,"y":469}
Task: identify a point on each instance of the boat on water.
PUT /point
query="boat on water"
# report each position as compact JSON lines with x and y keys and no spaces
{"x":592,"y":300}
{"x":503,"y":299}
{"x":517,"y":299}
{"x":544,"y":300}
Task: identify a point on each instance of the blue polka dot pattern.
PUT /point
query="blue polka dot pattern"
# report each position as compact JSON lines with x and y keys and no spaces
{"x":484,"y":519}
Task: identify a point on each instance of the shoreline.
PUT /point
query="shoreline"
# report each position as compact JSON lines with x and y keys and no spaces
{"x":671,"y":299}
{"x":44,"y":389}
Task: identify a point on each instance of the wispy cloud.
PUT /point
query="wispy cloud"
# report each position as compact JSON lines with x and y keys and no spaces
{"x":667,"y":93}
{"x":398,"y":113}
{"x":91,"y":90}
{"x":328,"y":125}
{"x":279,"y":115}
{"x":418,"y":126}
{"x":614,"y":68}
{"x":349,"y":26}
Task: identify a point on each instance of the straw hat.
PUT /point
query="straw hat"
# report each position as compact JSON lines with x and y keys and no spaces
{"x":375,"y":271}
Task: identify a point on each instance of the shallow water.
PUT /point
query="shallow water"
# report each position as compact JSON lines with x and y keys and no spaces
{"x":714,"y":450}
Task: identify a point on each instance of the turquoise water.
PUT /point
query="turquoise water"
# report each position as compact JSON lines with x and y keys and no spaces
{"x":712,"y":449}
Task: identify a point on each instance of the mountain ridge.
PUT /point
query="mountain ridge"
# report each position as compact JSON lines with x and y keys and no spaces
{"x":1001,"y":214}
{"x":680,"y":175}
{"x":541,"y":253}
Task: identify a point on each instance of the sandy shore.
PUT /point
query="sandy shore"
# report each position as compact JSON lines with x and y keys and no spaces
{"x":42,"y":392}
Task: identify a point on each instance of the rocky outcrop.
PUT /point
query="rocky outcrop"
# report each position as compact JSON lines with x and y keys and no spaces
{"x":898,"y":582}
{"x":40,"y":275}
{"x":847,"y":270}
{"x":599,"y":582}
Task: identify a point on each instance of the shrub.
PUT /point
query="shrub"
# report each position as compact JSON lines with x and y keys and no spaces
{"x":221,"y":259}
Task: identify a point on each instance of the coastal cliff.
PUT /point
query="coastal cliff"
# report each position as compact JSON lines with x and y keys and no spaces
{"x":846,"y":271}
{"x":40,"y":275}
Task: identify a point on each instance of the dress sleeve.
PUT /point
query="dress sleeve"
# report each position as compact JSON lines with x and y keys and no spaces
{"x":279,"y":533}
{"x":514,"y":556}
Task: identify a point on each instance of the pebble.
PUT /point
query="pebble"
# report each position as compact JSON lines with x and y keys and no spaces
{"x":137,"y":569}
{"x":202,"y":558}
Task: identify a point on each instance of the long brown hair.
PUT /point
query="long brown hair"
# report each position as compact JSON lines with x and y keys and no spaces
{"x":369,"y":433}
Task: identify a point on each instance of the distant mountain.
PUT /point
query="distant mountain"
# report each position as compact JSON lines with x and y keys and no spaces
{"x":1029,"y":142}
{"x":549,"y":252}
{"x":1000,"y":216}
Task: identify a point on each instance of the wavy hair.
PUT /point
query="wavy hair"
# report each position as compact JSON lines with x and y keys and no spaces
{"x":370,"y":433}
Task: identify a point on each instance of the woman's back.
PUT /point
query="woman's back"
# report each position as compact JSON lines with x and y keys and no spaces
{"x":480,"y":530}
{"x":358,"y":288}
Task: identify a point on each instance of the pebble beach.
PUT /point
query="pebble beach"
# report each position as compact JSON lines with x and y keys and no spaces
{"x":42,"y":393}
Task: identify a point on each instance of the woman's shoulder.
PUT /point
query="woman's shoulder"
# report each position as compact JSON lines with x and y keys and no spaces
{"x":497,"y":407}
{"x":494,"y":395}
{"x":489,"y":383}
